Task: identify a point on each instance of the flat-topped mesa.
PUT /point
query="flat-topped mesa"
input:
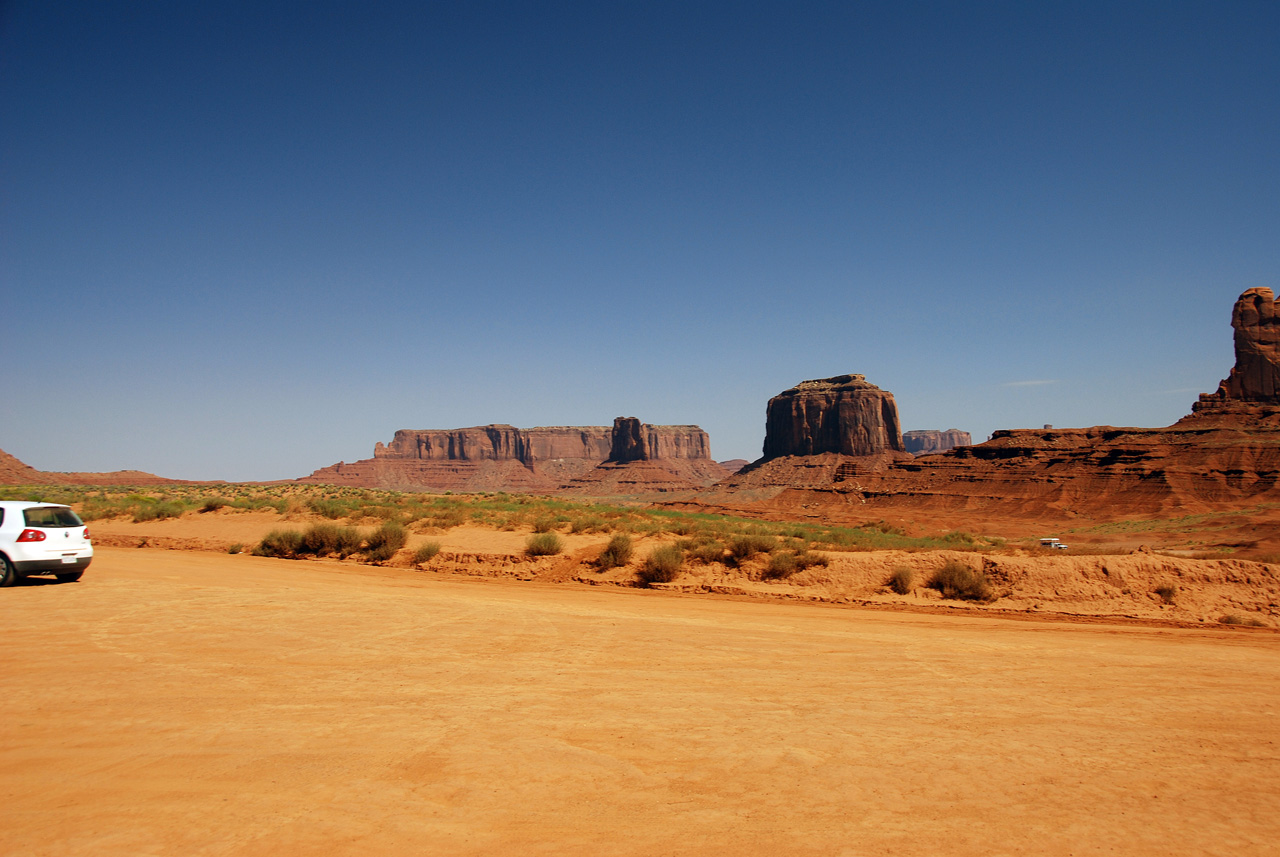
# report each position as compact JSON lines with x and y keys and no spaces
{"x":633,"y":440}
{"x":1254,"y":381}
{"x":498,"y":443}
{"x":844,"y":414}
{"x":930,"y":441}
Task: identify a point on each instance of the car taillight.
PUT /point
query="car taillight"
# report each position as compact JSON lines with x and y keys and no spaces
{"x":31,"y":536}
{"x":86,"y":534}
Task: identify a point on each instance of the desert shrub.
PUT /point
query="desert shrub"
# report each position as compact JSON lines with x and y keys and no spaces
{"x":617,"y":553}
{"x":1235,"y":619}
{"x":707,"y":551}
{"x":543,"y":544}
{"x":956,"y":580}
{"x":1168,"y":592}
{"x":662,"y":565}
{"x":901,"y":580}
{"x":426,"y":552}
{"x":382,"y":543}
{"x":783,"y":564}
{"x":325,"y":539}
{"x":589,"y":524}
{"x":743,"y":547}
{"x":235,"y":548}
{"x":213,"y":504}
{"x":158,"y":510}
{"x":283,"y":543}
{"x":544,"y":525}
{"x":327,"y":507}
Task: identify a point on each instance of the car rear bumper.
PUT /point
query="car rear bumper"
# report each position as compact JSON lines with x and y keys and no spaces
{"x":51,"y":566}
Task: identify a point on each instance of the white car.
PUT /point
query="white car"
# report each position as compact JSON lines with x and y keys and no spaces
{"x":42,"y":538}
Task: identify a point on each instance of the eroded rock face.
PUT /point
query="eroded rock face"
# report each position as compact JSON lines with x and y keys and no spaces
{"x":844,"y":414}
{"x":545,"y":459}
{"x":498,"y":443}
{"x":1256,"y":375}
{"x":929,"y":441}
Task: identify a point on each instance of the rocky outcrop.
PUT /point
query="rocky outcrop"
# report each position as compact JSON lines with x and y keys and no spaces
{"x":498,"y":443}
{"x":1225,"y":456}
{"x":632,"y":440}
{"x":534,"y":460}
{"x":648,"y":459}
{"x":15,"y":472}
{"x":844,"y":414}
{"x":928,"y":441}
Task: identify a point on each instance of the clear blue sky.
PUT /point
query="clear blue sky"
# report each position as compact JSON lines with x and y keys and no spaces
{"x":245,"y":240}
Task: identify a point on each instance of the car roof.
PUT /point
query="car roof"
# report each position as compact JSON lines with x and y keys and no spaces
{"x":16,"y":505}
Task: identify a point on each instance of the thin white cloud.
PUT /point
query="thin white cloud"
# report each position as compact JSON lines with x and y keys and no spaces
{"x":1027,"y":383}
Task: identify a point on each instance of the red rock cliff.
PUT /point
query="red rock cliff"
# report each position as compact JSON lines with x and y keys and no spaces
{"x":844,"y":414}
{"x":927,"y":441}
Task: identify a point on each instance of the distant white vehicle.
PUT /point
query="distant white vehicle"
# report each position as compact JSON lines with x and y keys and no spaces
{"x":42,"y":538}
{"x":1053,"y":543}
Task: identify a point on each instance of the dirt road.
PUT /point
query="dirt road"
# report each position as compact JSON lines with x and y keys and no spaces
{"x":204,"y":704}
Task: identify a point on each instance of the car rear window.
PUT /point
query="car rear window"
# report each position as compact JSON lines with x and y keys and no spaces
{"x":51,"y":516}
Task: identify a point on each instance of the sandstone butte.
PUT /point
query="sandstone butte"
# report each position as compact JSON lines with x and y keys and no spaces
{"x":929,"y":441}
{"x":834,"y":442}
{"x":629,"y":457}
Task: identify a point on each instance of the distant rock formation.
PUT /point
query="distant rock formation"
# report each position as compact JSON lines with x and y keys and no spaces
{"x":1251,"y":392}
{"x":844,"y":414}
{"x":534,"y":460}
{"x":928,"y":441}
{"x":1225,"y":454}
{"x":15,"y":472}
{"x":733,"y":465}
{"x":648,"y":459}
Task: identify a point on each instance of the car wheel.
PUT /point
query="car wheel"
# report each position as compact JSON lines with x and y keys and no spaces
{"x":8,"y":574}
{"x":69,"y":577}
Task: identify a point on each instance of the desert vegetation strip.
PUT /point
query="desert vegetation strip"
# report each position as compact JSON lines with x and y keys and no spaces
{"x":439,"y":512}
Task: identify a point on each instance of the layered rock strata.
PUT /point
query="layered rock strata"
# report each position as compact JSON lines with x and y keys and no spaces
{"x":844,"y":414}
{"x":648,"y":459}
{"x":534,"y":460}
{"x":1225,"y":455}
{"x":929,"y":441}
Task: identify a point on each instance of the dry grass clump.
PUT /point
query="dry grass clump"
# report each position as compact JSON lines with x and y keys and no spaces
{"x":383,"y":542}
{"x":744,"y":547}
{"x":327,"y":539}
{"x":663,"y":565}
{"x":783,"y":564}
{"x":901,"y":580}
{"x":1168,"y":592}
{"x":1235,"y":619}
{"x":617,"y":553}
{"x":279,"y":543}
{"x":543,"y":544}
{"x":426,"y":552}
{"x":955,"y":580}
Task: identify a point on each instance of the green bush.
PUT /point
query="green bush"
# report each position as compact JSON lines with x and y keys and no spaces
{"x":707,"y":552}
{"x":543,"y":544}
{"x":383,"y":542}
{"x":213,"y":504}
{"x":326,"y":539}
{"x":282,"y":543}
{"x":426,"y":552}
{"x":743,"y":547}
{"x":617,"y":553}
{"x":956,"y":580}
{"x":544,"y":525}
{"x":783,"y":564}
{"x":901,"y":580}
{"x":327,"y":507}
{"x":663,"y":565}
{"x":159,"y":510}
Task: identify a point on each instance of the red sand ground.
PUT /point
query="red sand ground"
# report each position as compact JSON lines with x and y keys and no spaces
{"x":201,"y":703}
